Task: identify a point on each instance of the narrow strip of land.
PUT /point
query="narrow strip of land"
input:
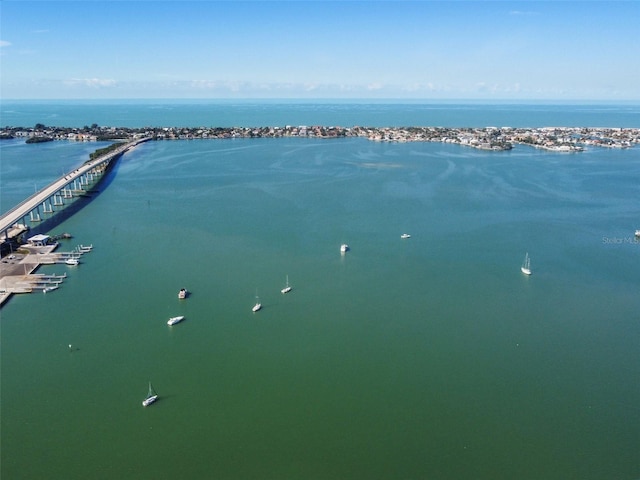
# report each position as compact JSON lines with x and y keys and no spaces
{"x":564,"y":139}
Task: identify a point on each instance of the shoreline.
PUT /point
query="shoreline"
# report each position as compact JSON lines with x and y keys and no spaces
{"x":560,"y":139}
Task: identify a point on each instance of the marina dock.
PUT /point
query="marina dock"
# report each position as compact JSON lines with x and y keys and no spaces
{"x":17,"y":270}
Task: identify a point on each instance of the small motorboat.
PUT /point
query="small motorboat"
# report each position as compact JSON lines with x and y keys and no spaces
{"x":182,"y":293}
{"x":405,"y":235}
{"x":174,"y":320}
{"x":344,"y":248}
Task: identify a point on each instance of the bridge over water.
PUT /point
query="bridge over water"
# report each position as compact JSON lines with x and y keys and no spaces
{"x":54,"y":195}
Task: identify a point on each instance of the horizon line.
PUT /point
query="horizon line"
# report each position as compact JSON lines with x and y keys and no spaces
{"x":394,"y":100}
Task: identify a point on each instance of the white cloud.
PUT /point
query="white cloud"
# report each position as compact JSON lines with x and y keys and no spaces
{"x":91,"y":82}
{"x":4,"y":43}
{"x":421,"y":87}
{"x":204,"y":84}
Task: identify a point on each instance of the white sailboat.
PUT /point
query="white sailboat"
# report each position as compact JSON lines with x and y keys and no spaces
{"x":151,"y":397}
{"x":258,"y":305}
{"x":287,"y":287}
{"x":526,"y":265}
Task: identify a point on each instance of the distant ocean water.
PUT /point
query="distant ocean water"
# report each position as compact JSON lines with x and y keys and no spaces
{"x":420,"y":358}
{"x":181,"y":113}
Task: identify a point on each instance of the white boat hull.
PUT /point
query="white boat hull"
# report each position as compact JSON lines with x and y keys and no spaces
{"x":174,"y":320}
{"x":286,"y":288}
{"x":256,"y":307}
{"x":148,"y":401}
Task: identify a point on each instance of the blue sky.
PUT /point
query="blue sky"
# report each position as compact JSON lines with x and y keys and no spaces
{"x":434,"y":50}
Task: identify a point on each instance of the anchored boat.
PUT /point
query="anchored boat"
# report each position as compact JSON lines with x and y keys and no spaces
{"x":258,"y":305}
{"x":526,"y":265}
{"x":151,"y":397}
{"x":174,"y":320}
{"x":287,"y":287}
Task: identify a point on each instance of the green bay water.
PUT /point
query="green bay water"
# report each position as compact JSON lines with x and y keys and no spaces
{"x":431,"y":357}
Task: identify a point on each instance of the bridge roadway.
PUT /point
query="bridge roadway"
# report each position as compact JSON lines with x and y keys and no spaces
{"x":32,"y":203}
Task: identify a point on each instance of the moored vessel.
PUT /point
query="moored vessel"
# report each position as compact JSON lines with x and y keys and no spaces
{"x":174,"y":320}
{"x":287,"y":287}
{"x":151,"y":397}
{"x":526,"y":265}
{"x":258,"y":305}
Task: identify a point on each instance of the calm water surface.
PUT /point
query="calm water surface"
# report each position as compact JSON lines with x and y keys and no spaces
{"x":234,"y":113}
{"x":426,"y":358}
